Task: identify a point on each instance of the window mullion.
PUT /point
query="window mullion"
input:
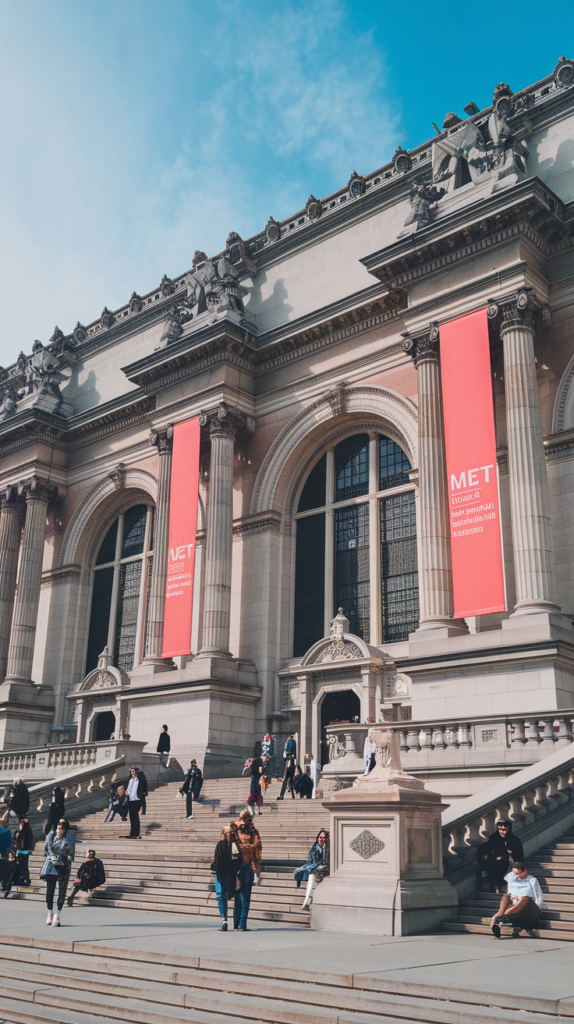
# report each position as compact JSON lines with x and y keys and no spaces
{"x":116,"y":587}
{"x":141,"y":606}
{"x":329,"y":541}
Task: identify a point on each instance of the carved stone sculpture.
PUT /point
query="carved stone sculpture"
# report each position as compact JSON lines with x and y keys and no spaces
{"x":422,"y":198}
{"x":508,"y":153}
{"x":178,"y":315}
{"x":42,"y":372}
{"x":8,"y":402}
{"x":215,"y":288}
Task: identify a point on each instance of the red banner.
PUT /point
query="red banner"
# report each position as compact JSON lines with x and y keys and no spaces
{"x":474,"y":506}
{"x":182,"y":529}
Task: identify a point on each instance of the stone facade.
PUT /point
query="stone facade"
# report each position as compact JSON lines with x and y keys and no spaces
{"x":310,"y":353}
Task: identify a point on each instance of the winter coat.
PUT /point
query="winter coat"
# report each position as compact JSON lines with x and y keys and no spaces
{"x":5,"y":839}
{"x":248,"y":840}
{"x":193,"y":778}
{"x":63,"y":845}
{"x":91,"y":874}
{"x":56,"y":810}
{"x":319,"y":857}
{"x":225,"y":865}
{"x":164,"y":743}
{"x":498,"y":848}
{"x":20,"y":800}
{"x":23,"y":839}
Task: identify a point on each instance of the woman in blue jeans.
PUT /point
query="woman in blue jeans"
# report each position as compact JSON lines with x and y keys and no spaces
{"x":60,"y":847}
{"x":236,"y":864}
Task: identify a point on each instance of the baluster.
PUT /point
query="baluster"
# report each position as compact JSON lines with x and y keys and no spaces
{"x":564,"y":789}
{"x":114,"y":777}
{"x":563,"y":736}
{"x":450,"y":736}
{"x":438,"y":740}
{"x":40,"y":804}
{"x":552,"y":794}
{"x":102,"y":782}
{"x":473,"y":834}
{"x":404,"y":746}
{"x":548,"y":735}
{"x":90,"y":788}
{"x":66,"y":793}
{"x":516,"y":813}
{"x":532,"y":732}
{"x":463,"y":736}
{"x":541,"y":800}
{"x":488,"y":822}
{"x":529,"y":805}
{"x":412,"y":739}
{"x":78,"y":792}
{"x":517,"y":734}
{"x":425,"y":739}
{"x":458,"y":845}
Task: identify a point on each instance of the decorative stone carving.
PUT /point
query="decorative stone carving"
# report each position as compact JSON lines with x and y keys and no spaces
{"x":313,"y":208}
{"x":401,"y":161}
{"x":136,"y":303}
{"x":508,"y":152}
{"x":336,"y":748}
{"x":238,"y":256}
{"x":79,"y":333}
{"x":166,"y":285}
{"x":8,"y":401}
{"x":356,"y":185}
{"x":519,"y":312}
{"x":388,"y":770}
{"x":423,"y":347}
{"x":272,"y":230}
{"x":42,"y":372}
{"x":459,"y":156}
{"x":105,"y":676}
{"x":423,"y":199}
{"x":366,"y":845}
{"x":177,"y":316}
{"x":215,"y":288}
{"x":564,"y":73}
{"x":118,"y":475}
{"x":340,"y":648}
{"x":107,"y":318}
{"x":198,"y":257}
{"x":162,"y":439}
{"x":450,"y":121}
{"x":224,"y":420}
{"x":400,"y":686}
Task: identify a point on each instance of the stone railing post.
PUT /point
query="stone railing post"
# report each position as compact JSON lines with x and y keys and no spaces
{"x":433,"y":527}
{"x":23,"y":634}
{"x":223,"y":424}
{"x":10,"y":532}
{"x":163,"y":441}
{"x":529,"y":494}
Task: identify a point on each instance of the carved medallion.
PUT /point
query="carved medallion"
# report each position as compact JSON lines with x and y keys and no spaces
{"x":339,"y":650}
{"x":366,"y":845}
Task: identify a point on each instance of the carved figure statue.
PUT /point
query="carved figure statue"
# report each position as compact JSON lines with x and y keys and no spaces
{"x":8,"y":402}
{"x":508,"y":152}
{"x":178,"y":315}
{"x":42,"y":372}
{"x":422,"y":197}
{"x":215,"y":288}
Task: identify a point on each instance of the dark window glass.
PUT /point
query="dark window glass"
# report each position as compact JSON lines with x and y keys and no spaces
{"x":134,"y":531}
{"x":127,"y":617}
{"x":352,"y":591}
{"x":99,"y":616}
{"x":147,"y":593}
{"x":399,"y":576}
{"x":352,"y":467}
{"x":313,"y":493}
{"x":309,"y":583}
{"x":393,"y":464}
{"x":107,"y":552}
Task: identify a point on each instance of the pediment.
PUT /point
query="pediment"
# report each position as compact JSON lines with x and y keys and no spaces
{"x":338,"y":648}
{"x":108,"y":678}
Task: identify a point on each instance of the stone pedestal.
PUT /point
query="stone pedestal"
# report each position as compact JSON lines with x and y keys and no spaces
{"x":386,"y":854}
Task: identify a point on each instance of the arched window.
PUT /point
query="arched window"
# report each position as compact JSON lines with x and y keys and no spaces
{"x":120,"y":586}
{"x":356,"y":543}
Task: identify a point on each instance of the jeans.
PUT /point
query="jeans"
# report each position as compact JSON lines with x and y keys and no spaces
{"x":287,"y":782}
{"x":243,"y":896}
{"x":134,"y":812}
{"x":62,"y":882}
{"x":115,"y":810}
{"x":23,"y":870}
{"x":222,"y":901}
{"x":189,"y":803}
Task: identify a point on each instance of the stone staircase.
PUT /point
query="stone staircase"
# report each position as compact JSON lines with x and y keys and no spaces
{"x":553,"y":866}
{"x":169,"y":868}
{"x":50,"y":981}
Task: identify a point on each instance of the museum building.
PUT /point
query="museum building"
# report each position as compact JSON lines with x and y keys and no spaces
{"x":323,"y":582}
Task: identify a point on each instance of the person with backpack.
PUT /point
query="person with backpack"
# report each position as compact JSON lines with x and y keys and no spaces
{"x":59,"y":848}
{"x":22,"y":846}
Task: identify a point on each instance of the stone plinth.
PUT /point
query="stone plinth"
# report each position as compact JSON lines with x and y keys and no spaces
{"x":386,"y":854}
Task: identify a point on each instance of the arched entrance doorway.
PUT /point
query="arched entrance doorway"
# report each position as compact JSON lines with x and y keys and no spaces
{"x":104,"y":726}
{"x":341,"y":706}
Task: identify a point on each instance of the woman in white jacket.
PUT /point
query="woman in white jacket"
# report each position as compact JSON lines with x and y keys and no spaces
{"x":521,"y":904}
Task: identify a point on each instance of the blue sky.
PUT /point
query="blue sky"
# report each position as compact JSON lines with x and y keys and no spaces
{"x":136,"y":131}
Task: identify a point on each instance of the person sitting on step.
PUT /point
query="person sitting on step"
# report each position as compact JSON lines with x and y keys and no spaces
{"x":317,"y":866}
{"x":526,"y":901}
{"x":119,"y":804}
{"x":90,"y":875}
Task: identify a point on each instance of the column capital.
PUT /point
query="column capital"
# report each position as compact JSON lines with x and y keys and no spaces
{"x":162,"y":439}
{"x":10,"y":499}
{"x":37,"y":490}
{"x":423,"y":346}
{"x":226,"y":421}
{"x":518,"y":312}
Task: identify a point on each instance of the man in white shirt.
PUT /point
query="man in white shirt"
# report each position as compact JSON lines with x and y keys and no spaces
{"x":134,"y":803}
{"x":521,"y":904}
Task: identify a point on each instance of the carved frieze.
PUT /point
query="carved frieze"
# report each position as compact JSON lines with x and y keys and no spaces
{"x":366,"y":845}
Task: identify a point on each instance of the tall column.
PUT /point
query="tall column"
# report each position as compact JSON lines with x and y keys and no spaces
{"x":529,"y":494}
{"x":433,"y":527}
{"x":223,"y":426}
{"x":163,"y":441}
{"x":23,"y":634}
{"x":10,"y":531}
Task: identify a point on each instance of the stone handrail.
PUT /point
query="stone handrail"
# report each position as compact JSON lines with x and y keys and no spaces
{"x":512,"y":740}
{"x":56,"y":759}
{"x":538,"y":799}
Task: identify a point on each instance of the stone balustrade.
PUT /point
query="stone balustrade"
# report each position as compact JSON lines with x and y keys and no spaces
{"x":61,"y":758}
{"x":510,"y":741}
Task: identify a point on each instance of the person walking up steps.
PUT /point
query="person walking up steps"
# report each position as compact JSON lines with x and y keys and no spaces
{"x":59,"y":848}
{"x":23,"y":846}
{"x":290,"y":755}
{"x":255,"y":798}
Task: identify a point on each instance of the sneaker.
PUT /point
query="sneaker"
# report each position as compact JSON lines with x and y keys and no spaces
{"x":223,"y":926}
{"x":49,"y":917}
{"x":56,"y":921}
{"x":189,"y":817}
{"x":495,"y":929}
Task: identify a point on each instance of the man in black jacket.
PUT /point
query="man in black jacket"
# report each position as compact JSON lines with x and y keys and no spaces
{"x":492,"y":857}
{"x":19,"y":799}
{"x":191,"y":787}
{"x":22,"y":845}
{"x":290,"y":762}
{"x":164,"y":746}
